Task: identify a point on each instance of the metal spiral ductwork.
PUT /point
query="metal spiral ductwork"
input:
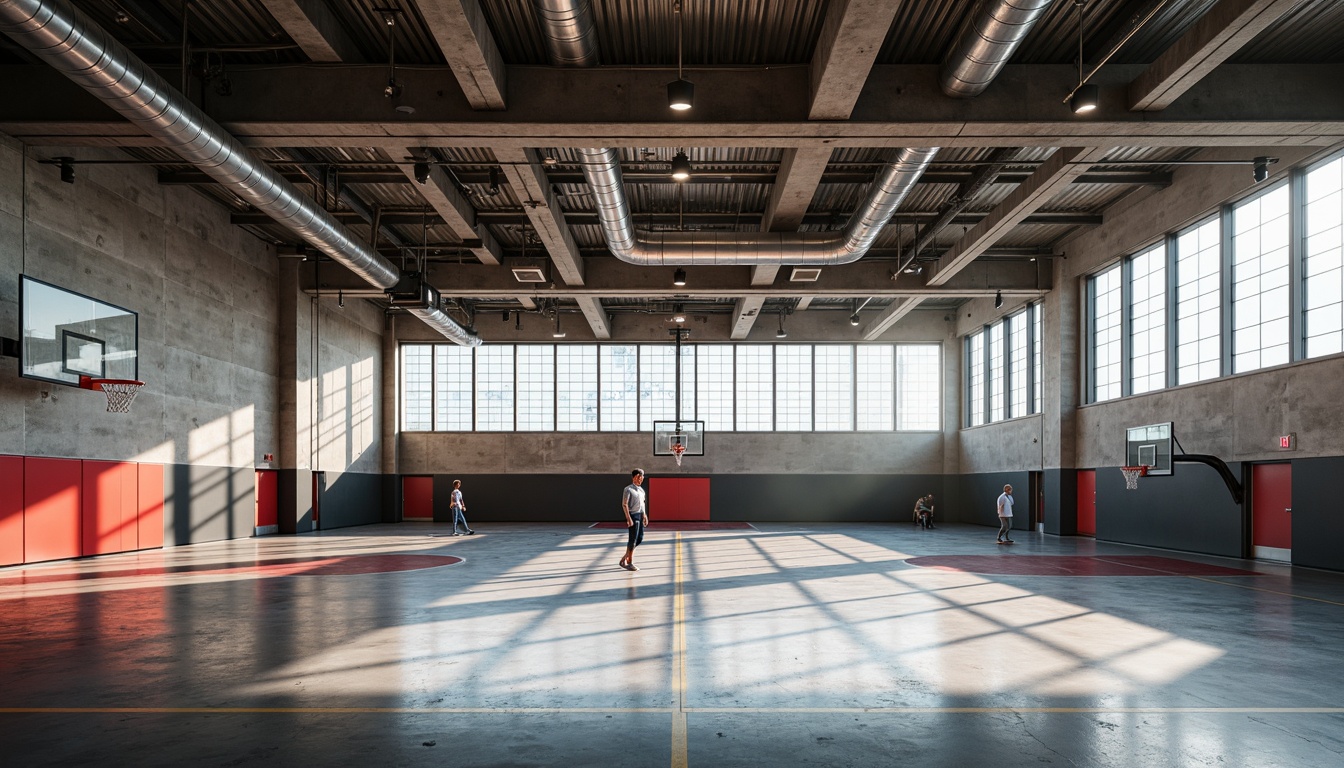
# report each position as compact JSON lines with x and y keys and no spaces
{"x":84,"y":52}
{"x":987,"y":43}
{"x":571,"y":37}
{"x":602,"y":169}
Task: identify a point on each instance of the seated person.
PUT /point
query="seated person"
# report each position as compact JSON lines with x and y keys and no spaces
{"x":924,"y":511}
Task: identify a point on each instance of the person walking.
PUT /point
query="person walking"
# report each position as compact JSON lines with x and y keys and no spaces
{"x":1005,"y":514}
{"x":924,"y":512}
{"x":636,"y":517}
{"x":459,"y":508}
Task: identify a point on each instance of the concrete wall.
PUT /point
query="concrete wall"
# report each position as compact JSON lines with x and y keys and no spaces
{"x":212,"y":337}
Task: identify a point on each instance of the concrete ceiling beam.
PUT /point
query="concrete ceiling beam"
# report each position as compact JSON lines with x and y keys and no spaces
{"x":1216,"y":37}
{"x":851,"y":37}
{"x":464,"y":38}
{"x":455,"y":211}
{"x":315,"y":29}
{"x":745,"y":312}
{"x":1235,"y":105}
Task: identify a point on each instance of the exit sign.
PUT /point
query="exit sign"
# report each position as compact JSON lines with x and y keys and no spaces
{"x":1288,"y":442}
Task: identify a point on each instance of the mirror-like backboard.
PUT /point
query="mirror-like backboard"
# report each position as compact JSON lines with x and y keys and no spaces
{"x":691,"y":435}
{"x":67,"y":335}
{"x":1149,"y":446}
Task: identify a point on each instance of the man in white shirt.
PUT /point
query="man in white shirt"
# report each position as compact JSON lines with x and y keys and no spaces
{"x":636,"y":517}
{"x":1005,"y":514}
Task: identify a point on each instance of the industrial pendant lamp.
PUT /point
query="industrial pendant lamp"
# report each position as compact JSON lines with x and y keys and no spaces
{"x":680,"y":92}
{"x":679,"y":277}
{"x":781,"y":333}
{"x":681,"y":166}
{"x":557,"y":333}
{"x":1085,"y":96}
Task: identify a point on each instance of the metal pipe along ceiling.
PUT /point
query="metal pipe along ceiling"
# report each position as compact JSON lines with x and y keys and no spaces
{"x":87,"y":54}
{"x":602,"y":169}
{"x":571,"y":37}
{"x":987,"y":43}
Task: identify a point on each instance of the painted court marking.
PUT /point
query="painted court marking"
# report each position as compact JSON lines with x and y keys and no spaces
{"x":677,"y":525}
{"x":664,"y":710}
{"x":340,"y":565}
{"x":1074,"y":565}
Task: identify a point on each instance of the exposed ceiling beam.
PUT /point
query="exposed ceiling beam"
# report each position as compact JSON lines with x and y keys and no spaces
{"x":745,"y":312}
{"x":888,"y":317}
{"x":1053,"y":176}
{"x":596,"y":315}
{"x":609,"y":278}
{"x":356,"y":175}
{"x":851,"y":37}
{"x":463,"y":35}
{"x":523,"y":169}
{"x":402,"y":216}
{"x":312,"y":25}
{"x":455,"y":211}
{"x":1235,"y":105}
{"x":800,"y":172}
{"x":1219,"y":33}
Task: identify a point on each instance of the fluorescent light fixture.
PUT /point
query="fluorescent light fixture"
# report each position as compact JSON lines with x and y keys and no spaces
{"x":529,"y":275}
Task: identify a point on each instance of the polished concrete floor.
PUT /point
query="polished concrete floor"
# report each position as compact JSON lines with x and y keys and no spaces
{"x":819,"y":646}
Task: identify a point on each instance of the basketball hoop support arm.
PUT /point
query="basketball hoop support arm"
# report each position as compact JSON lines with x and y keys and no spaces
{"x":679,"y":333}
{"x":1219,"y":465}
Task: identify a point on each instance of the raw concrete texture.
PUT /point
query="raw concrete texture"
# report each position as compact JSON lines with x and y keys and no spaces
{"x":1002,"y":446}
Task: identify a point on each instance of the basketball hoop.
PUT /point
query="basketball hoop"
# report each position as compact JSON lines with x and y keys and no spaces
{"x":1132,"y":475}
{"x":677,"y":450}
{"x":120,"y":392}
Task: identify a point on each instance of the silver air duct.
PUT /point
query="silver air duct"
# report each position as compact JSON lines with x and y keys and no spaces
{"x":84,"y":52}
{"x":571,"y":37}
{"x":987,"y":43}
{"x":602,"y":169}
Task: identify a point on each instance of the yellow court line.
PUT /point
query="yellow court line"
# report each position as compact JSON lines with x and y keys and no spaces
{"x":1270,"y":591}
{"x":679,"y":749}
{"x":665,"y":710}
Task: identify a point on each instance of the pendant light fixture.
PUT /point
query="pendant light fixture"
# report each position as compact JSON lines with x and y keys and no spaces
{"x":680,"y":92}
{"x":679,"y":277}
{"x":681,"y":166}
{"x":781,"y":333}
{"x":1085,"y":96}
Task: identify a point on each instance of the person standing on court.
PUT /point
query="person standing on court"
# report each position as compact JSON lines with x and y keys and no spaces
{"x":459,"y":508}
{"x":636,"y":517}
{"x":1005,"y":514}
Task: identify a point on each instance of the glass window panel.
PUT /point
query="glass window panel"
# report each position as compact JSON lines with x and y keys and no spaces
{"x":975,"y":373}
{"x":1323,"y":281}
{"x":874,"y":387}
{"x":576,"y":387}
{"x":658,"y":385}
{"x":1018,"y":374}
{"x":620,"y":387}
{"x":755,"y":388}
{"x":494,"y":388}
{"x":1260,"y":267}
{"x":1148,"y":325}
{"x":996,"y":377}
{"x":1105,"y":295}
{"x":536,"y":388}
{"x":417,"y":382}
{"x":714,"y":386}
{"x":453,"y":394}
{"x":834,"y":386}
{"x":918,"y":395}
{"x":793,"y":388}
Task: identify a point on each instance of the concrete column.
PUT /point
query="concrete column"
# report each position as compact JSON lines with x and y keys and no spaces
{"x":295,"y":421}
{"x":1062,"y":393}
{"x":391,"y":448}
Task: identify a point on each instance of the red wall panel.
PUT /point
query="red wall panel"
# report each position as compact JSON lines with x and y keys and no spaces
{"x":130,"y":505}
{"x":1087,"y":502}
{"x":149,"y":509}
{"x":417,"y":498}
{"x":268,"y":498}
{"x":11,"y":510}
{"x":678,"y":498}
{"x":51,"y":509}
{"x":100,"y":508}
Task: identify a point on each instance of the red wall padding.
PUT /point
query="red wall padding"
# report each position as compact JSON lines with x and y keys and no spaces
{"x":149,"y":517}
{"x":268,"y":498}
{"x":109,"y":507}
{"x":417,"y":498}
{"x":678,"y":498}
{"x":11,"y":510}
{"x":51,"y":513}
{"x":1087,"y":502}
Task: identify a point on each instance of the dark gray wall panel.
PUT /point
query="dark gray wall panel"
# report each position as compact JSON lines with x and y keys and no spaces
{"x":974,"y":498}
{"x":207,"y":503}
{"x":351,"y":498}
{"x":532,"y":498}
{"x":1061,"y":501}
{"x":1318,"y":521}
{"x":1190,"y":510}
{"x":296,"y":500}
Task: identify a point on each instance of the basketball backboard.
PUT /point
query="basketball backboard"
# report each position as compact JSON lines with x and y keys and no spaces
{"x":67,"y":335}
{"x":691,"y":435}
{"x":1149,"y":446}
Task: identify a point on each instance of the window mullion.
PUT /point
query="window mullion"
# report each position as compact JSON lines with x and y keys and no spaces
{"x":1225,"y":279}
{"x":1297,"y":232}
{"x":1126,"y":326}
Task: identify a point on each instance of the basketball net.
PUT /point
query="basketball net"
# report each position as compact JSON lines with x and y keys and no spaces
{"x":120,"y":393}
{"x":1132,"y":475}
{"x":677,"y":450}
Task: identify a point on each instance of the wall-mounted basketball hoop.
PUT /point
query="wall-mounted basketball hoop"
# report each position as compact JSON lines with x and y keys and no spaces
{"x":120,"y":392}
{"x":1132,"y":475}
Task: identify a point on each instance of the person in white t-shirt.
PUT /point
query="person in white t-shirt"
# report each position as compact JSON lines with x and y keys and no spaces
{"x":635,"y":506}
{"x":459,"y":509}
{"x":1005,"y":514}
